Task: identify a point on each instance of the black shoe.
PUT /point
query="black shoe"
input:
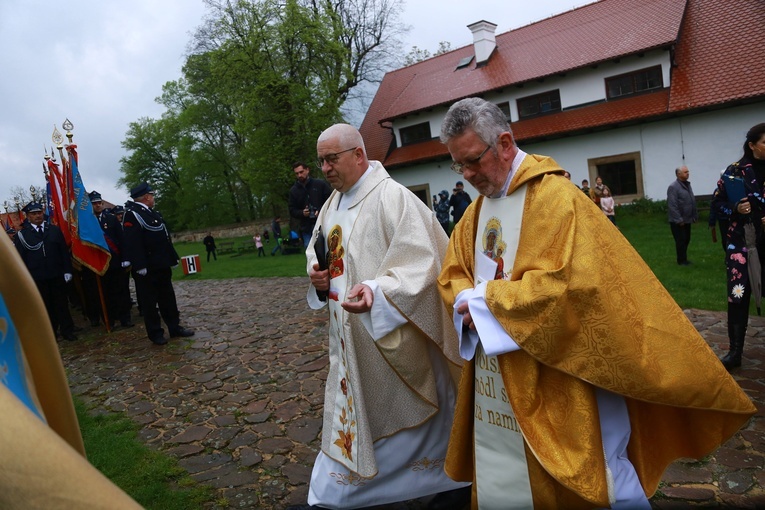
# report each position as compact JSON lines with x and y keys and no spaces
{"x":181,"y":331}
{"x":686,"y":263}
{"x":451,"y":500}
{"x":95,"y":323}
{"x":160,"y":340}
{"x":127,"y":324}
{"x":70,"y":337}
{"x":76,"y":329}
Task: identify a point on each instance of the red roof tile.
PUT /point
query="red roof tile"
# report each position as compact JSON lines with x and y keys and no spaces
{"x":719,"y":54}
{"x":709,"y":34}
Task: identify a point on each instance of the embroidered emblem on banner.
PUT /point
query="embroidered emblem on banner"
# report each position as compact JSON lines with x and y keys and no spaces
{"x":336,"y":252}
{"x":493,"y":245}
{"x":12,"y":373}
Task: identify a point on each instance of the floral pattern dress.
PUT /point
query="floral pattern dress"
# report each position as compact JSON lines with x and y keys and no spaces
{"x":736,"y":251}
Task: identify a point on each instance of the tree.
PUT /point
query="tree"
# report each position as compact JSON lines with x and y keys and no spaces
{"x":417,"y":55}
{"x":263,"y":78}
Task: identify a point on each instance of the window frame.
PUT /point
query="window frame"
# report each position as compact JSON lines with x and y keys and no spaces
{"x":634,"y":78}
{"x":536,"y":99}
{"x":593,"y":163}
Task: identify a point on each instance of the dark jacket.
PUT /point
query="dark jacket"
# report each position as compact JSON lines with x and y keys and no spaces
{"x":146,"y":239}
{"x":459,"y":202}
{"x":114,"y":238}
{"x":45,"y":254}
{"x":681,"y":204}
{"x":313,"y":194}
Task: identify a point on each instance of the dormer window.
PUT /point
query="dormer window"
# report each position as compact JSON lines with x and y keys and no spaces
{"x":635,"y":82}
{"x":415,"y":134}
{"x":539,"y":104}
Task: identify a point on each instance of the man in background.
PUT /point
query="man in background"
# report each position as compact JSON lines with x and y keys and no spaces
{"x":306,"y":198}
{"x":44,"y":251}
{"x":459,"y":201}
{"x":681,"y":210}
{"x":150,"y":250}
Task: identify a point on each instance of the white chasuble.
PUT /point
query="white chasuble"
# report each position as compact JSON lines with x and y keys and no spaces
{"x":502,"y":477}
{"x":410,"y":462}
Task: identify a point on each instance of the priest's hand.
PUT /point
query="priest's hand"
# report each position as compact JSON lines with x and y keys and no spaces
{"x":364,"y":298}
{"x":319,"y":279}
{"x":467,"y":320}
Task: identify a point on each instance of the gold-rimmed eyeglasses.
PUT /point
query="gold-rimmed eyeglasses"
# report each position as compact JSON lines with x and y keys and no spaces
{"x":460,"y":167}
{"x":331,"y":158}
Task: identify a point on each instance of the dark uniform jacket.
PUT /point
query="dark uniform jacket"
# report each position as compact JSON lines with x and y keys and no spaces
{"x":146,"y":239}
{"x":45,"y":254}
{"x":114,"y":238}
{"x":313,"y":194}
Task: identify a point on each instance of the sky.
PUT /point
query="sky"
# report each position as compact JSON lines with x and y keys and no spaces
{"x":101,"y":64}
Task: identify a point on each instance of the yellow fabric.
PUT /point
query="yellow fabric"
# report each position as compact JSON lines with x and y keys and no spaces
{"x":587,"y":311}
{"x":43,"y":466}
{"x":46,"y":371}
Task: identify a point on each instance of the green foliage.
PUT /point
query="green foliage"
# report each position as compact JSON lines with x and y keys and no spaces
{"x":264,"y":78}
{"x":153,"y":479}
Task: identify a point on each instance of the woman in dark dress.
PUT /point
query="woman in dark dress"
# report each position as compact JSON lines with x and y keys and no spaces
{"x":744,"y":233}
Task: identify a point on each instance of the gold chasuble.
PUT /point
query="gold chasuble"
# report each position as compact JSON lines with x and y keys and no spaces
{"x":42,"y":457}
{"x":587,"y":313}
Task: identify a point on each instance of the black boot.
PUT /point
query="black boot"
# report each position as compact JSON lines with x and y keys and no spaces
{"x":737,"y":335}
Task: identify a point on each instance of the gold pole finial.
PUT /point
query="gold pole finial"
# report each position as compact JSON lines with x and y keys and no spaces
{"x":67,"y":124}
{"x":57,"y":138}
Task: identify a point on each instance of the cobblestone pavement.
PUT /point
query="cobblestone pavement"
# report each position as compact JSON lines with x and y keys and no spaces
{"x":240,"y":403}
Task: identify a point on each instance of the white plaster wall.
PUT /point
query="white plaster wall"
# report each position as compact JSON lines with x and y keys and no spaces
{"x":706,"y":143}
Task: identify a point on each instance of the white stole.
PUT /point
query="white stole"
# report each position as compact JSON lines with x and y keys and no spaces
{"x":344,"y":431}
{"x":502,"y":477}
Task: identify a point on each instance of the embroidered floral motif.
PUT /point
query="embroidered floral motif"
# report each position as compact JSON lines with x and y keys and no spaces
{"x":350,"y":479}
{"x":738,"y":291}
{"x":426,"y":464}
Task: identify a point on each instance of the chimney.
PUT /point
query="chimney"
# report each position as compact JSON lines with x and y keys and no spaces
{"x":483,"y":41}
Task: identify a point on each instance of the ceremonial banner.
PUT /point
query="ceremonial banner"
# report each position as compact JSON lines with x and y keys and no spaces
{"x":88,"y":244}
{"x":56,"y":197}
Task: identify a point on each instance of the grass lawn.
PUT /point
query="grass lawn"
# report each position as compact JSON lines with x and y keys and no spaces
{"x":153,"y":479}
{"x":700,"y":285}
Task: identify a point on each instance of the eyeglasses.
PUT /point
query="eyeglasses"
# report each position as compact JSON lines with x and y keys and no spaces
{"x":460,"y":167}
{"x":331,"y":158}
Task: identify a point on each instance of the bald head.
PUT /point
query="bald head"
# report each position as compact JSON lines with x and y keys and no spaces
{"x":342,"y":155}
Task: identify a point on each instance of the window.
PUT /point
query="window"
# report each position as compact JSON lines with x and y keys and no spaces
{"x":634,"y":83}
{"x":539,"y":104}
{"x":505,"y":107}
{"x":414,"y":134}
{"x":623,"y":174}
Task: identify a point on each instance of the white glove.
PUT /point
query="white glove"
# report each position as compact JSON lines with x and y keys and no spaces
{"x":141,"y":272}
{"x":67,"y":277}
{"x":126,"y":263}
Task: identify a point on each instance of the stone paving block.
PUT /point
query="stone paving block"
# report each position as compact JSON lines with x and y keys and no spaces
{"x":679,"y":472}
{"x":274,"y":445}
{"x":297,"y":474}
{"x":737,"y":482}
{"x":191,"y":434}
{"x":689,"y":493}
{"x":184,"y":450}
{"x":200,"y":463}
{"x":249,"y":457}
{"x":304,"y":430}
{"x":738,"y":459}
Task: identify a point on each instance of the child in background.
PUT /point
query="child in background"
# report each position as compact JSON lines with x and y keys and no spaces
{"x":607,"y":204}
{"x":259,"y":244}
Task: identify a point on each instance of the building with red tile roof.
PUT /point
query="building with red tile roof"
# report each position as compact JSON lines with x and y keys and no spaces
{"x":624,"y":89}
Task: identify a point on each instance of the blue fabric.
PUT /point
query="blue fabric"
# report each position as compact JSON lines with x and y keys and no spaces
{"x":87,"y":224}
{"x":12,"y":373}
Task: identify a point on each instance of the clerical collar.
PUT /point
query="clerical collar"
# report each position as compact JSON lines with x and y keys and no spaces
{"x":513,"y":168}
{"x":351,"y":193}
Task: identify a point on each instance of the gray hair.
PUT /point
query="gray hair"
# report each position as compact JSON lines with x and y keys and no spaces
{"x":479,"y":115}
